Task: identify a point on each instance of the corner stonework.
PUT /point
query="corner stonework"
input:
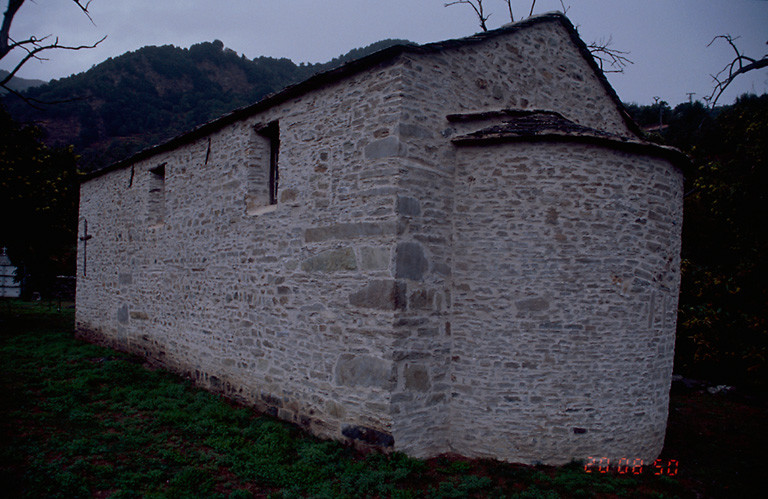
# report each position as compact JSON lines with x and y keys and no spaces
{"x":363,"y":371}
{"x":410,"y":261}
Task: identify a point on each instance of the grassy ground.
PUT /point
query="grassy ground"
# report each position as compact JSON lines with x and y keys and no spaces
{"x":77,"y":420}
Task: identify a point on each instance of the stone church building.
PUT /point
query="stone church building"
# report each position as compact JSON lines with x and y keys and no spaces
{"x":460,"y":247}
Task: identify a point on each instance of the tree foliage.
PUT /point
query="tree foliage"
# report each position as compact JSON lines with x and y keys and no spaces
{"x":38,"y":203}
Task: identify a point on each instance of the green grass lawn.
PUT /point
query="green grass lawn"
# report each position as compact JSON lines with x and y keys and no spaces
{"x":79,"y":420}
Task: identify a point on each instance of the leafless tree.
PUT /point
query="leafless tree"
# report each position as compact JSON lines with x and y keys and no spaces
{"x":609,"y":59}
{"x":33,"y":46}
{"x":739,"y":65}
{"x":477,"y":6}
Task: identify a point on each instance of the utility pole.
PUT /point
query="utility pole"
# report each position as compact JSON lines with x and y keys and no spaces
{"x":661,"y":109}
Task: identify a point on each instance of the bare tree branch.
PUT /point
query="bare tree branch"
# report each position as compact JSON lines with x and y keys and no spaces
{"x":84,"y":8}
{"x":733,"y":69}
{"x":477,"y":6}
{"x":33,"y":46}
{"x":533,"y":4}
{"x":509,"y":7}
{"x":610,"y":60}
{"x":5,"y":29}
{"x":33,"y":54}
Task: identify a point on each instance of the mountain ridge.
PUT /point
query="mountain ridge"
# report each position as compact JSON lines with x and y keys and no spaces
{"x":19,"y":84}
{"x":147,"y":96}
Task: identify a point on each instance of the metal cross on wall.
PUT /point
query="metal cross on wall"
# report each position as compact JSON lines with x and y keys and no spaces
{"x":84,"y":238}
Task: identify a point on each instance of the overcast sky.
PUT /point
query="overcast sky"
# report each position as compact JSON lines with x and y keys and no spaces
{"x":667,"y":39}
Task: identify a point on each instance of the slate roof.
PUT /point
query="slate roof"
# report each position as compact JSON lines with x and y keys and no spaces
{"x":362,"y":64}
{"x":525,"y":123}
{"x":518,"y":125}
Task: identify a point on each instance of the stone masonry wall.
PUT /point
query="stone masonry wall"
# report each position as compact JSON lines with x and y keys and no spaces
{"x":534,"y":68}
{"x":288,"y":307}
{"x":565,"y":284}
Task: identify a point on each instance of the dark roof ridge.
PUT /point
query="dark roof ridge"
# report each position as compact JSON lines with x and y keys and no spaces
{"x":499,"y":113}
{"x":500,"y":134}
{"x":355,"y":66}
{"x":527,"y":123}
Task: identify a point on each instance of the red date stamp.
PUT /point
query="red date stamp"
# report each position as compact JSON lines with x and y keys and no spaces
{"x":627,"y":466}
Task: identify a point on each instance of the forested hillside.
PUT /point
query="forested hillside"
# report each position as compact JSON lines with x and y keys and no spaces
{"x":144,"y":97}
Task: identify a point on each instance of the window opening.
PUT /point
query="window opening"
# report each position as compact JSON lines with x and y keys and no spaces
{"x":263,"y":176}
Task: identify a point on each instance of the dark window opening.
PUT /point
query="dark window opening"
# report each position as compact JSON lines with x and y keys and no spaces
{"x":272,"y":133}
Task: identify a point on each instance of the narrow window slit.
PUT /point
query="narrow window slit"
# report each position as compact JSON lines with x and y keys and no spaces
{"x":262,"y":172}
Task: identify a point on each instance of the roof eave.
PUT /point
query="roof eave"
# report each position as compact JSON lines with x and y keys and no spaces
{"x":389,"y":54}
{"x":671,"y":154}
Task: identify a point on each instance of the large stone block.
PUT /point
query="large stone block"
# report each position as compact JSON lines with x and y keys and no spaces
{"x":374,"y":258}
{"x":122,"y":314}
{"x":362,"y":370}
{"x":385,"y":148}
{"x":417,"y":378}
{"x":410,"y":262}
{"x":348,"y":231}
{"x":408,"y":206}
{"x":536,"y":304}
{"x":331,"y":261}
{"x":380,"y":294}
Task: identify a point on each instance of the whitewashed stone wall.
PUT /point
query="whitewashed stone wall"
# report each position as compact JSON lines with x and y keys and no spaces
{"x":565,"y":285}
{"x":383,"y":300}
{"x":290,"y":309}
{"x":534,"y":68}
